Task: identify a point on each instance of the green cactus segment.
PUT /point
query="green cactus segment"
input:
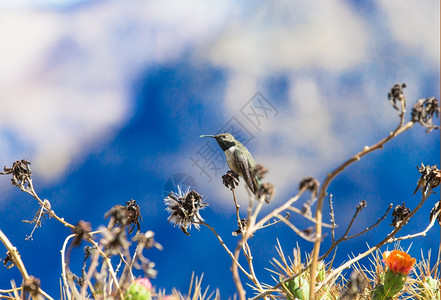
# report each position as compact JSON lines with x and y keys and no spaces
{"x":393,"y":284}
{"x":298,"y":288}
{"x":137,"y":291}
{"x":430,"y":288}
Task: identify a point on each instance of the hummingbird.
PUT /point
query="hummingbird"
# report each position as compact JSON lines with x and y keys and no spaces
{"x":239,"y":160}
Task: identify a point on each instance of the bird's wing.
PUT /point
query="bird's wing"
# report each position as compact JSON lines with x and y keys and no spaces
{"x":245,"y":169}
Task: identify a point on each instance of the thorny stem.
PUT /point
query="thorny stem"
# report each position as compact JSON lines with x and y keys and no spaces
{"x":322,"y":194}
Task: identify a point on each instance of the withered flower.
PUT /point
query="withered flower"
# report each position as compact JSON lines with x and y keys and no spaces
{"x":21,"y":173}
{"x":242,"y":225}
{"x":266,"y":191}
{"x":184,"y":208}
{"x":430,"y":179}
{"x":310,"y":183}
{"x":361,"y":205}
{"x":259,"y":171}
{"x":125,"y":215}
{"x":396,"y":94}
{"x":400,"y":213}
{"x":134,"y":215}
{"x":118,"y":215}
{"x":423,"y":111}
{"x":82,"y":230}
{"x":114,"y":239}
{"x":31,"y":285}
{"x":230,"y":180}
{"x":436,"y":212}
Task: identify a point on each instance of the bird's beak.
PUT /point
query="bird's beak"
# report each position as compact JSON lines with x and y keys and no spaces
{"x":212,"y":136}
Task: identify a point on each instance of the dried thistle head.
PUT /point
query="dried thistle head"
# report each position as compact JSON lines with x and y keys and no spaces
{"x":31,"y":285}
{"x":266,"y":191}
{"x":423,"y":112}
{"x":310,"y":183}
{"x":184,"y":208}
{"x":259,"y":171}
{"x":230,"y":180}
{"x":395,"y":95}
{"x":81,"y":230}
{"x":134,"y":214}
{"x":21,"y":173}
{"x":114,"y":239}
{"x":125,"y":215}
{"x":400,"y":213}
{"x":430,"y":179}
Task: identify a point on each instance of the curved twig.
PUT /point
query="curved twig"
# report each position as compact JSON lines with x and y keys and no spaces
{"x":322,"y":194}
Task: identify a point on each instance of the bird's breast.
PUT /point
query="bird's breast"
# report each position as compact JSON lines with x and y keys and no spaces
{"x":229,"y":153}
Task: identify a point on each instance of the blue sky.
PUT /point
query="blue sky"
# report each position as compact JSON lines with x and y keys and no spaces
{"x":108,"y":99}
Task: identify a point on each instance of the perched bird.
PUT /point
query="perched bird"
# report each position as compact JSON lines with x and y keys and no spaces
{"x":239,"y":160}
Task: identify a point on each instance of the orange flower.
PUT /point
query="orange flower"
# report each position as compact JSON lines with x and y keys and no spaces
{"x":398,"y":261}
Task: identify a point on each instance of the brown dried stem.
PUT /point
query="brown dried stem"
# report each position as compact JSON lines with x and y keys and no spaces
{"x":323,"y":192}
{"x":250,"y":230}
{"x":388,"y":239}
{"x":345,"y":236}
{"x":30,"y":190}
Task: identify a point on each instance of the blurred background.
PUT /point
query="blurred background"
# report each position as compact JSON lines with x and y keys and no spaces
{"x":107,"y":99}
